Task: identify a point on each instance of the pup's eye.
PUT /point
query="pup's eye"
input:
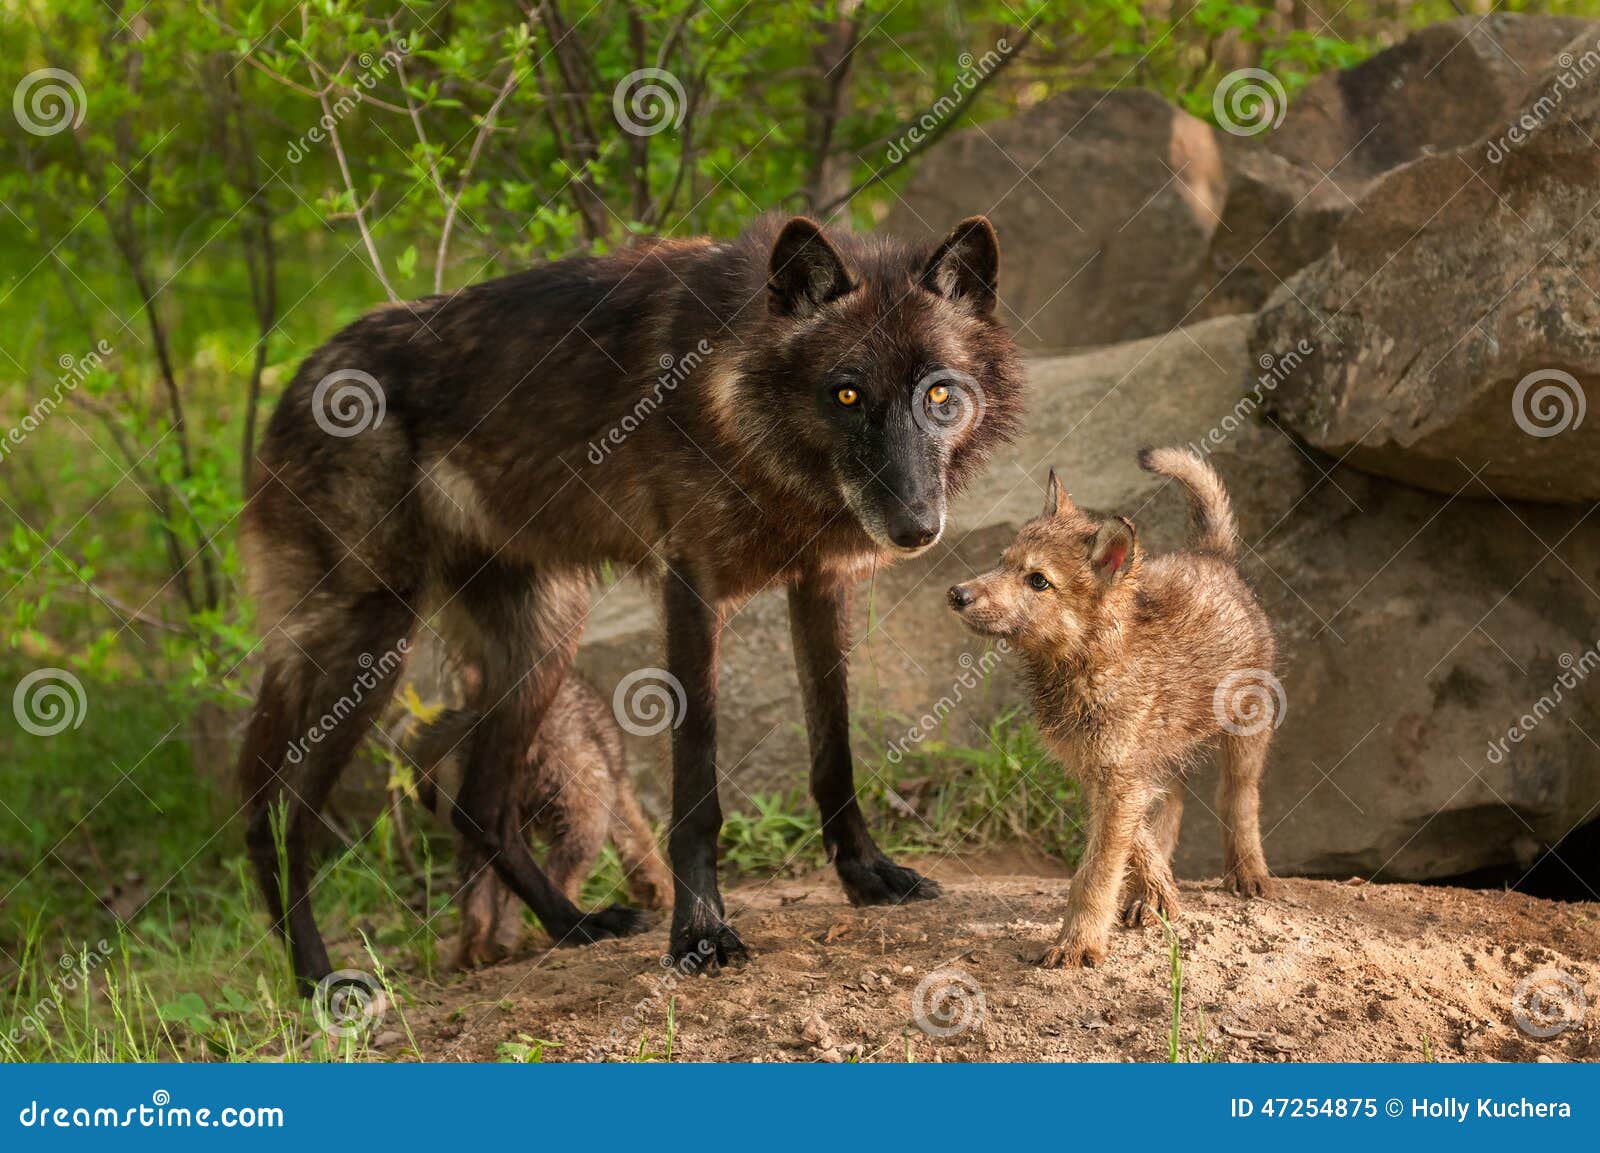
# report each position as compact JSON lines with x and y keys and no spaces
{"x":1038,"y":582}
{"x":938,"y":394}
{"x":847,"y":396}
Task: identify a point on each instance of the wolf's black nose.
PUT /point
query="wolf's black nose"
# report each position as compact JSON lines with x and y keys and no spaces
{"x":959,"y":596}
{"x":915,"y":526}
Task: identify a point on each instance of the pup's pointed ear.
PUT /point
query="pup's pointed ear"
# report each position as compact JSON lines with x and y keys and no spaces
{"x":1111,"y":555}
{"x":806,"y":271}
{"x":1056,"y":500}
{"x":965,"y":268}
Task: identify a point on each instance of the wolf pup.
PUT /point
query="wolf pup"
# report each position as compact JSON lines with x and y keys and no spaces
{"x":1137,"y":663}
{"x":573,"y":790}
{"x":784,"y":409}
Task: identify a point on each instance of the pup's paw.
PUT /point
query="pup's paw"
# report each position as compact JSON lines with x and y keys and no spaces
{"x":1142,"y":908}
{"x":1073,"y":954}
{"x":882,"y":882}
{"x":1250,"y":881}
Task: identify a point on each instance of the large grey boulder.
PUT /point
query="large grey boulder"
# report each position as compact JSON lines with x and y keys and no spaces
{"x":1105,"y":202}
{"x":1416,"y":629}
{"x":1456,"y":317}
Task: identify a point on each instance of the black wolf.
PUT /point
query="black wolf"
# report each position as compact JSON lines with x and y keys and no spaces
{"x":719,"y":417}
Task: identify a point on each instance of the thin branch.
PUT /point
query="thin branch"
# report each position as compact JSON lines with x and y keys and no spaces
{"x":929,"y":139}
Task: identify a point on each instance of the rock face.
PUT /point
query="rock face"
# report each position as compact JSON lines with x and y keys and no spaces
{"x":1416,"y":630}
{"x":1444,"y":87}
{"x":1122,"y":217}
{"x":1105,"y":203}
{"x":1456,"y":316}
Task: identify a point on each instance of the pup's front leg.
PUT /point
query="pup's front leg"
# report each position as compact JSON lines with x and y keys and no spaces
{"x":819,"y":614}
{"x":1114,"y":819}
{"x":1151,"y":890}
{"x":699,"y":933}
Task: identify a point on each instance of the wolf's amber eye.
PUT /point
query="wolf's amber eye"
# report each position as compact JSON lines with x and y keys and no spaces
{"x":846,"y":396}
{"x":1037,"y":582}
{"x":938,"y":394}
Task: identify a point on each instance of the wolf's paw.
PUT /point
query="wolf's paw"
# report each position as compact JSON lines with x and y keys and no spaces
{"x":882,"y":882}
{"x":604,"y":925}
{"x":1073,"y":954}
{"x":1148,"y":906}
{"x":706,"y":949}
{"x":1249,"y":881}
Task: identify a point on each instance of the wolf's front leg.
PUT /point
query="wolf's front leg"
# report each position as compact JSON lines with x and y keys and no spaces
{"x":819,"y":618}
{"x":699,"y":934}
{"x":1115,"y":812}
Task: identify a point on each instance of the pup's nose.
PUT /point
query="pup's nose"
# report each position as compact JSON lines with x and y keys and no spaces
{"x":959,"y":596}
{"x":915,"y":526}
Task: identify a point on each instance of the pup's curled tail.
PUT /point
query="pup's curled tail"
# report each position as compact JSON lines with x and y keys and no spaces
{"x":1212,"y":527}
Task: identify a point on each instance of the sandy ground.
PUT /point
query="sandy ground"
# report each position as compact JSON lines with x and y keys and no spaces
{"x":1323,"y":971}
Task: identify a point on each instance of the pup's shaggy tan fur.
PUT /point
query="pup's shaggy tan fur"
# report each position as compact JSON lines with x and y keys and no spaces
{"x":1138,"y":663}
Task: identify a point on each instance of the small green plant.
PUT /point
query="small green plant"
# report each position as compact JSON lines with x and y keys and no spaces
{"x":525,"y":1050}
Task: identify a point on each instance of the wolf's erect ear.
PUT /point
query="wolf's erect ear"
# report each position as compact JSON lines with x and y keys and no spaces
{"x":1111,"y":555}
{"x":965,"y":268}
{"x":806,"y":271}
{"x":1056,"y":500}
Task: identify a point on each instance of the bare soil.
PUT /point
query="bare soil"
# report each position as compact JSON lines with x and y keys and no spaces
{"x":1322,"y":971}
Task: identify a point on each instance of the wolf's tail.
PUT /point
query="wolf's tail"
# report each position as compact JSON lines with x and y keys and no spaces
{"x":1210,"y":514}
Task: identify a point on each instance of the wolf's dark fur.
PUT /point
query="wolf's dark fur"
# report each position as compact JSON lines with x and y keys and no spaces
{"x":498,"y":481}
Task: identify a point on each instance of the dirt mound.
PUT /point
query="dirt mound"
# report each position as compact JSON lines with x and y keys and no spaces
{"x":1324,"y":971}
